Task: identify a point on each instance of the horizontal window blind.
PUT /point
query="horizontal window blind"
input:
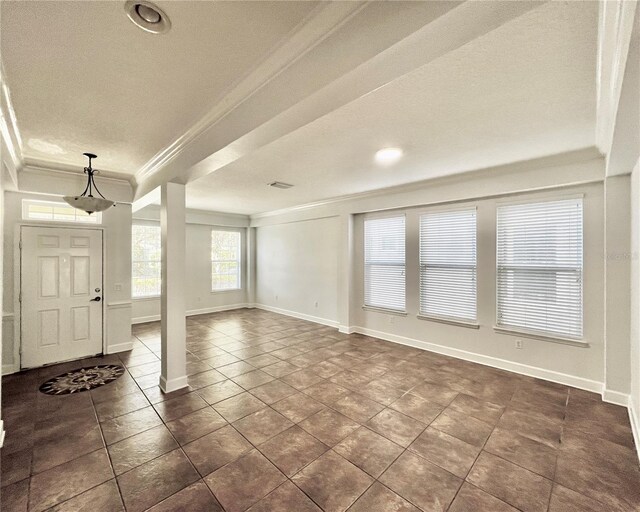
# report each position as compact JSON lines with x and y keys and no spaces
{"x":448,"y":264}
{"x":539,"y":260}
{"x":384,"y":263}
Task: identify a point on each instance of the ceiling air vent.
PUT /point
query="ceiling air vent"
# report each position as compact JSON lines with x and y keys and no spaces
{"x":279,"y":184}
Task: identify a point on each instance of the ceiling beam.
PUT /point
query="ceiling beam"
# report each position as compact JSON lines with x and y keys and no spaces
{"x":356,"y":58}
{"x":615,"y":25}
{"x":316,"y":26}
{"x":624,"y":146}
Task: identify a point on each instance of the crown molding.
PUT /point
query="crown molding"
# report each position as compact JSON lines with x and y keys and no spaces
{"x":44,"y":166}
{"x":59,"y":180}
{"x":9,"y":133}
{"x":316,"y":27}
{"x":588,"y":154}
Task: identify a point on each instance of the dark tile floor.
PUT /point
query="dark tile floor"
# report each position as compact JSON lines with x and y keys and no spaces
{"x":286,"y":415}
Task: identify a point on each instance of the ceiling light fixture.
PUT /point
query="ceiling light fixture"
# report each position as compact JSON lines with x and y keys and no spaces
{"x":86,"y":201}
{"x":147,"y":16}
{"x":388,"y":156}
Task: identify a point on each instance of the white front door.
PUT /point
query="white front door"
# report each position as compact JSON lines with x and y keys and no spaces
{"x":61,"y":294}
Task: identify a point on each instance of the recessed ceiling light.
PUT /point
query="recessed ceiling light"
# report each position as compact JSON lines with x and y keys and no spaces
{"x":388,"y":156}
{"x":147,"y":16}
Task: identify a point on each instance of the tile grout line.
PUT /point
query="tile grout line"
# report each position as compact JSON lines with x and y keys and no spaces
{"x":305,"y":340}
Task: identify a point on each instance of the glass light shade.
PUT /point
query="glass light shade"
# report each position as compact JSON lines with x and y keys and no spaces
{"x":89,"y":204}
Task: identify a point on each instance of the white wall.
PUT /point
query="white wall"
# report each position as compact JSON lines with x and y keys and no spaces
{"x":581,"y":366}
{"x":199,"y":297}
{"x":617,"y":207}
{"x":2,"y":338}
{"x":635,"y":301}
{"x":298,"y":237}
{"x":117,"y":275}
{"x":624,"y":158}
{"x":297,"y":268}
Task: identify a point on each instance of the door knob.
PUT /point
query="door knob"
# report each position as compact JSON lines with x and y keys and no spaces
{"x":97,"y":299}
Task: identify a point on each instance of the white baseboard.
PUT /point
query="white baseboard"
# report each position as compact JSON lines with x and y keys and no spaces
{"x":167,"y":386}
{"x":615,"y":397}
{"x":120,"y":347}
{"x":216,"y":309}
{"x":193,"y":312}
{"x":502,"y":364}
{"x":8,"y":369}
{"x":295,"y":314}
{"x":634,"y":419}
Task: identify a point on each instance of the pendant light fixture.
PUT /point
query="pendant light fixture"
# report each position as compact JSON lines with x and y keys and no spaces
{"x":86,"y":201}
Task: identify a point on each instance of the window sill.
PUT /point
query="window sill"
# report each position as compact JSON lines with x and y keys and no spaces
{"x":540,"y":337}
{"x":450,"y":321}
{"x":385,"y":311}
{"x":146,"y":297}
{"x":226,"y":290}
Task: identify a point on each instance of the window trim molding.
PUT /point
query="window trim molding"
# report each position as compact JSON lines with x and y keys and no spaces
{"x":24,"y":207}
{"x":142,"y":298}
{"x":546,"y":198}
{"x":449,"y":321}
{"x":386,"y":214}
{"x":449,"y":207}
{"x":388,"y":311}
{"x":215,"y":292}
{"x":541,"y":336}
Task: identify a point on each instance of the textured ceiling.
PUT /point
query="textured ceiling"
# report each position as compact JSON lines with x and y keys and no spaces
{"x":523,"y":91}
{"x":84,"y":78}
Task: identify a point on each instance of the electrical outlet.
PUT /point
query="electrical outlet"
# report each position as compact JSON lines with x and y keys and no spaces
{"x":316,"y":304}
{"x":519,"y":343}
{"x":117,"y":287}
{"x":276,"y":297}
{"x":392,"y":319}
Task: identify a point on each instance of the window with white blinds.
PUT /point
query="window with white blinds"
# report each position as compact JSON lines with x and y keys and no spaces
{"x":384,"y":263}
{"x":539,"y":274}
{"x":448,"y":264}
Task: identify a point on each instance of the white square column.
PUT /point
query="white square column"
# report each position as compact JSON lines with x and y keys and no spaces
{"x":173,"y":321}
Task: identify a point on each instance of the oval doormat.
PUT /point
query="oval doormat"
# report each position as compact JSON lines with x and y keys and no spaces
{"x":82,"y":379}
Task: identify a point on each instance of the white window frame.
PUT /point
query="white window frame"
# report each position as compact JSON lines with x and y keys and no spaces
{"x":150,"y":296}
{"x":26,"y":203}
{"x":548,"y":335}
{"x":453,"y":319}
{"x":238,"y":261}
{"x":366,"y":265}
